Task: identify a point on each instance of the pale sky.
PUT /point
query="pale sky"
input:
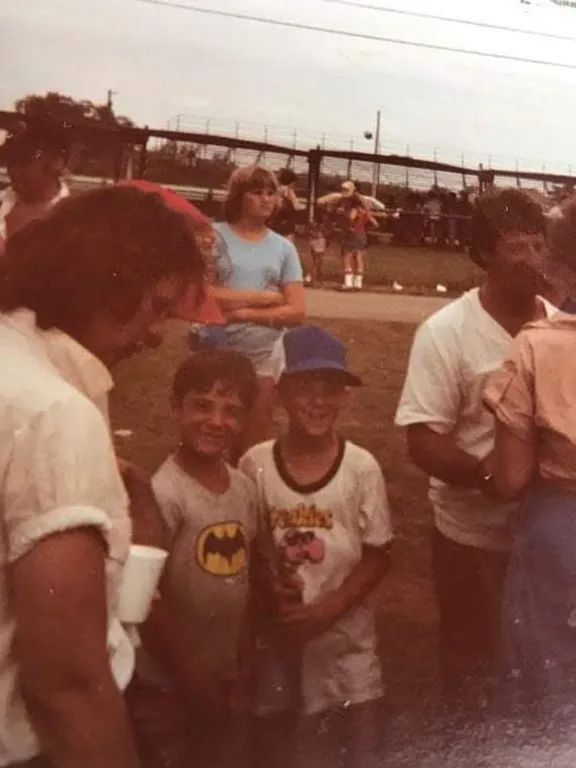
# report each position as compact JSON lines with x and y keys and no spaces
{"x":164,"y":62}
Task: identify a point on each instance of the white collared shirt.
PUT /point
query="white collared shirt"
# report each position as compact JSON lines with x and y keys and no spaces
{"x":58,"y":471}
{"x":9,"y":198}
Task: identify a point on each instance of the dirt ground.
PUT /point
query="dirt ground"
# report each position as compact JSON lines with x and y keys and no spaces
{"x":367,"y":305}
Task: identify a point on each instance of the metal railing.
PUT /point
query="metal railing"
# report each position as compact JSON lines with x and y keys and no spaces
{"x":198,"y":165}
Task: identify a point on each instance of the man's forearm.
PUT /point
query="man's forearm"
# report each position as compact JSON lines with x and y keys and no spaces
{"x":88,"y":728}
{"x":455,"y":467}
{"x":231,"y":298}
{"x":440,"y":457}
{"x":286,"y":315}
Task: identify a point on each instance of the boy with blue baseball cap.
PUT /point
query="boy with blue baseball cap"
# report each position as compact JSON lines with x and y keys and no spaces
{"x":329,"y":533}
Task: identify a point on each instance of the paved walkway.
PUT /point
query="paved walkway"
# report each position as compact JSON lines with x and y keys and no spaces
{"x":389,"y":307}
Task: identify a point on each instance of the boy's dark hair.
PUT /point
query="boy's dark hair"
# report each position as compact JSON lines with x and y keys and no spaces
{"x":201,"y":371}
{"x":98,"y":250}
{"x":495,"y":214}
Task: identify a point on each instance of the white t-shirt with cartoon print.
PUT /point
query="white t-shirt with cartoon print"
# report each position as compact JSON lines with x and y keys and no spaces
{"x":319,"y":532}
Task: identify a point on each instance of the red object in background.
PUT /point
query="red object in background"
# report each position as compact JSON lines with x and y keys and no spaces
{"x":207,"y":312}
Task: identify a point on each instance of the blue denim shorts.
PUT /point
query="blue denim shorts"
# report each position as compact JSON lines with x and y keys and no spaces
{"x":267,"y":363}
{"x":355,"y":241}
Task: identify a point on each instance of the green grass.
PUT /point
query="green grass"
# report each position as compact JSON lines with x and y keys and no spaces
{"x":417,"y":269}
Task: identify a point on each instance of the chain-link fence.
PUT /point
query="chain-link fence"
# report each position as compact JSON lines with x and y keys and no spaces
{"x":200,"y":168}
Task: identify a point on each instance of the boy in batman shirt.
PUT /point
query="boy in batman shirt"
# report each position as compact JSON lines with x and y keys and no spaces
{"x":186,"y":710}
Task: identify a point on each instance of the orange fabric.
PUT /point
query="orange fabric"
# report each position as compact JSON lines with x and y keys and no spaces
{"x":534,"y":393}
{"x":207,"y":312}
{"x":172,"y":199}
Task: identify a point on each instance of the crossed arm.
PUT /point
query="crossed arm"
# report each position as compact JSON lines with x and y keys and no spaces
{"x":289,"y":312}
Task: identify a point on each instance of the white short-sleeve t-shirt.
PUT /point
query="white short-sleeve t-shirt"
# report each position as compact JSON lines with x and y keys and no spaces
{"x":9,"y":200}
{"x":453,"y":354}
{"x":319,"y":532}
{"x":58,"y":471}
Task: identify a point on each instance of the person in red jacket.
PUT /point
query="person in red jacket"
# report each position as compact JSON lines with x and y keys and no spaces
{"x":357,"y":217}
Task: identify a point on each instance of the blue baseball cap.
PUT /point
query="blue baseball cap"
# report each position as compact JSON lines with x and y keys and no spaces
{"x":310,"y":348}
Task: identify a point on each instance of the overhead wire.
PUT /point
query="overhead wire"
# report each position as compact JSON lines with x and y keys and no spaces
{"x":450,"y":19}
{"x":356,"y":35}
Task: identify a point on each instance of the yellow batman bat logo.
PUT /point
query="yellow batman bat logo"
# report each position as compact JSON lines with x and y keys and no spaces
{"x":221,"y":549}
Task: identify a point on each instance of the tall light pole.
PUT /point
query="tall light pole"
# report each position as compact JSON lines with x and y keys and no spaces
{"x":376,"y":168}
{"x":109,"y":99}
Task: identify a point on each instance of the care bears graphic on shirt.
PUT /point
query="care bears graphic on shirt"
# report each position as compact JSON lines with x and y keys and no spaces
{"x":296,"y":548}
{"x":299,"y":547}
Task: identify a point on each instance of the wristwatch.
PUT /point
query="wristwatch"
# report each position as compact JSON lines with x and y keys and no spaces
{"x":485,"y":476}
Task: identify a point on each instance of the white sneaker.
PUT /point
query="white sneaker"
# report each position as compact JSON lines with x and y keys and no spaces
{"x":348,"y":282}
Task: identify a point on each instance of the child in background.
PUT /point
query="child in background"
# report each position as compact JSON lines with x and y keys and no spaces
{"x":328,"y":521}
{"x":317,"y":253}
{"x":183,"y":708}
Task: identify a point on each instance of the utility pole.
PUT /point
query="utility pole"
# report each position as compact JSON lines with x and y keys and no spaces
{"x":407,"y":174}
{"x":262,"y":153}
{"x":236,"y":136}
{"x":109,"y":99}
{"x":204,"y":150}
{"x":376,"y":171}
{"x":349,"y":169}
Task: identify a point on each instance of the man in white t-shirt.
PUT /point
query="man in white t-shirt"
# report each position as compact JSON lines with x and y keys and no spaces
{"x":83,"y":289}
{"x":451,"y":434}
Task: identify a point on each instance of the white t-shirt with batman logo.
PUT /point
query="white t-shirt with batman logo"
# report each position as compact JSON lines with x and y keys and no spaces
{"x":207,"y":568}
{"x":319,"y":532}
